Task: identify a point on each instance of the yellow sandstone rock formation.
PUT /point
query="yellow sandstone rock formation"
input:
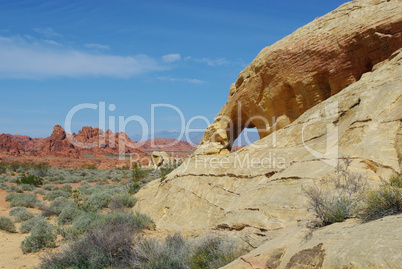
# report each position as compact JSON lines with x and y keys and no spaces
{"x":332,"y":89}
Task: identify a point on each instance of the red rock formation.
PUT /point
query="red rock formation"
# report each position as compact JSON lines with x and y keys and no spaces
{"x":29,"y":143}
{"x":58,"y":145}
{"x":10,"y":147}
{"x":95,"y":141}
{"x":166,"y":144}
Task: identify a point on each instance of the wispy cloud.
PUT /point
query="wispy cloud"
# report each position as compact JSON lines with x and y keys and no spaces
{"x":170,"y":58}
{"x":187,"y":80}
{"x":97,"y":46}
{"x":33,"y":59}
{"x":47,"y":31}
{"x":52,"y":42}
{"x":213,"y":62}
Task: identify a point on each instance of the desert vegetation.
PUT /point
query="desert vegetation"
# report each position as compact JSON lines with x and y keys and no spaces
{"x":345,"y":194}
{"x":92,"y":223}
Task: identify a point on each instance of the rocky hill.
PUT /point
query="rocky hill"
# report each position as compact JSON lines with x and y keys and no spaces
{"x":331,"y":90}
{"x":166,"y":144}
{"x":89,"y":140}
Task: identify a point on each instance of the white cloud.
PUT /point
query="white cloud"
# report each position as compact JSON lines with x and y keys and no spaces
{"x":170,"y":58}
{"x":47,"y":31}
{"x":97,"y":46}
{"x":187,"y":80}
{"x":32,"y":59}
{"x":214,"y":62}
{"x":52,"y":42}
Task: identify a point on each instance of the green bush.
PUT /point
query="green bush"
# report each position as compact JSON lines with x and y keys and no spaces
{"x":41,"y":169}
{"x":49,"y":187}
{"x":173,"y":253}
{"x":26,"y":226}
{"x":13,"y":188}
{"x":20,"y":214}
{"x":57,"y":205}
{"x":136,"y":220}
{"x":50,"y":196}
{"x":14,"y":166}
{"x":138,"y":173}
{"x":214,"y":252}
{"x":66,"y":188}
{"x":29,"y":179}
{"x":3,"y":186}
{"x":396,"y":181}
{"x":10,"y":196}
{"x":41,"y":237}
{"x":134,"y":188}
{"x":338,"y":196}
{"x":27,"y":187}
{"x":40,"y":191}
{"x":24,"y":200}
{"x":3,"y":169}
{"x":96,"y":201}
{"x":385,"y":201}
{"x":84,"y":221}
{"x":68,"y":214}
{"x":107,"y":247}
{"x":7,"y":225}
{"x":120,"y":201}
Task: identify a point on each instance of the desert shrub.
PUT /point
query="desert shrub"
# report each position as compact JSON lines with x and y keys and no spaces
{"x":29,"y":179}
{"x":384,"y":201}
{"x":136,"y":220}
{"x":137,"y":173}
{"x":3,"y":186}
{"x":338,"y":196}
{"x":4,"y":178}
{"x":164,"y":171}
{"x":68,"y":214}
{"x":107,"y":247}
{"x":7,"y":225}
{"x":50,"y":196}
{"x":13,"y":188}
{"x":24,"y":200}
{"x":120,"y":201}
{"x":171,"y":253}
{"x":27,"y":187}
{"x":96,"y":201}
{"x":134,"y":188}
{"x":56,"y":206}
{"x":20,"y":214}
{"x":3,"y":169}
{"x":14,"y":166}
{"x":66,"y":188}
{"x":41,"y":237}
{"x":214,"y":252}
{"x":40,"y":191}
{"x":90,"y":166}
{"x":41,"y":169}
{"x":26,"y":226}
{"x":49,"y":187}
{"x":84,"y":221}
{"x":396,"y":181}
{"x":10,"y":196}
{"x":13,"y":178}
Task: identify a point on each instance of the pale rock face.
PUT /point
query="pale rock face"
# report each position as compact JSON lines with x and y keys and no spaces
{"x":256,"y":193}
{"x":305,"y":68}
{"x":160,"y":158}
{"x":348,"y":245}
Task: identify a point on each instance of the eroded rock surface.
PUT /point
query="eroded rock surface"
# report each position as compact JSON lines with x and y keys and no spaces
{"x":305,"y":68}
{"x":258,"y":189}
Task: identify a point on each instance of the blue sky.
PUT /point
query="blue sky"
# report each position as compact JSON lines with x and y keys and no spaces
{"x":55,"y":55}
